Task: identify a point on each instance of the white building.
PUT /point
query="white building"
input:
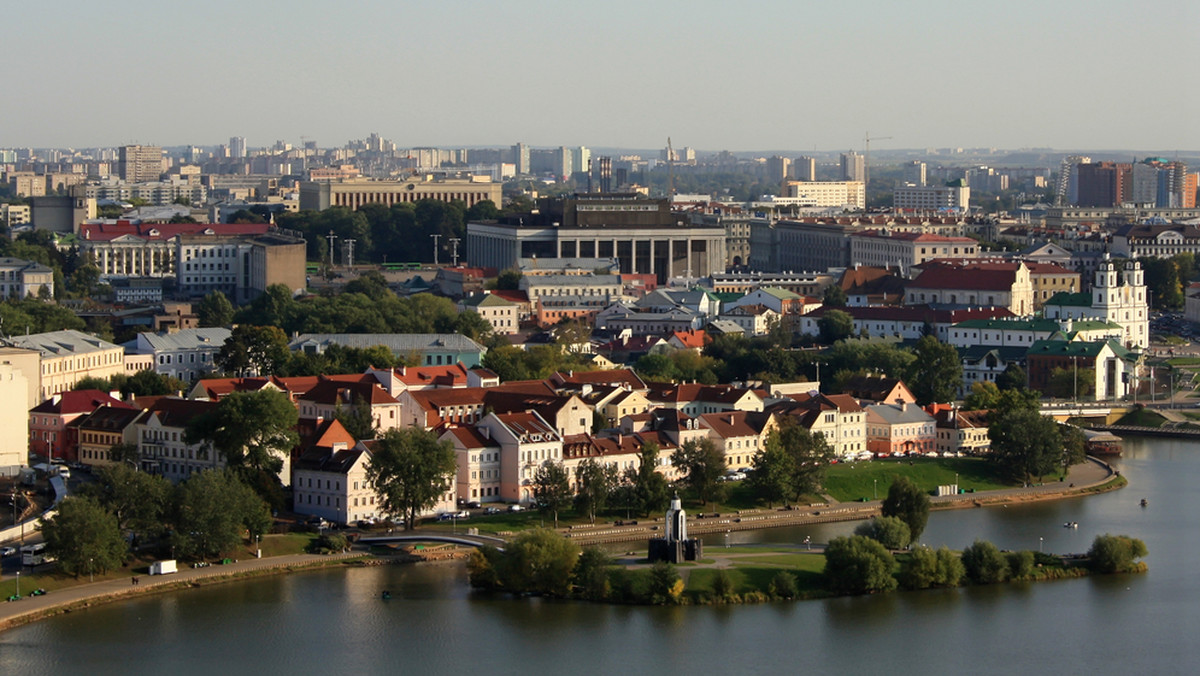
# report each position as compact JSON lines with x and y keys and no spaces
{"x":849,"y":194}
{"x":932,"y":198}
{"x":186,"y":354}
{"x":1124,"y":302}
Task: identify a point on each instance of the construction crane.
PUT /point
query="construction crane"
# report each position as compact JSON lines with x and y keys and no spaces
{"x":867,"y":138}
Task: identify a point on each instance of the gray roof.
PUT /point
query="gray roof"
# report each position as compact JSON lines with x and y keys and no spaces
{"x":398,"y":343}
{"x":184,"y":339}
{"x":61,"y":343}
{"x":570,"y":280}
{"x":895,"y":414}
{"x":22,"y":265}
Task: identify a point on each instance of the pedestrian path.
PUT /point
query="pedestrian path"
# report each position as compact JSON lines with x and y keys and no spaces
{"x":12,"y":612}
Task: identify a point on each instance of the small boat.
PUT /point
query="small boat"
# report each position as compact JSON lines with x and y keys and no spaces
{"x":1145,"y":502}
{"x":1071,"y":524}
{"x":386,"y":595}
{"x":1104,"y":444}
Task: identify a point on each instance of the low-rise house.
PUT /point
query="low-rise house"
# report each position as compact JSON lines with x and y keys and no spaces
{"x":960,"y":432}
{"x":909,"y":322}
{"x":162,"y":444}
{"x":330,"y":477}
{"x":48,"y":421}
{"x":477,"y":458}
{"x":738,"y":434}
{"x":99,"y":431}
{"x":186,"y":354}
{"x":878,"y":389}
{"x":431,"y":349}
{"x":501,"y":314}
{"x":329,"y":398}
{"x":900,"y":429}
{"x":754,"y":320}
{"x":68,"y":356}
{"x":693,"y":399}
{"x":1112,"y":365}
{"x":526,"y":443}
{"x":985,"y":364}
{"x":837,"y":417}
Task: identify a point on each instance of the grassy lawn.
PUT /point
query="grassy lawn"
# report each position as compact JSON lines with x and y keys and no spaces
{"x":1142,"y":418}
{"x":752,"y":577}
{"x":853,"y":481}
{"x":289,"y":543}
{"x":1184,"y":361}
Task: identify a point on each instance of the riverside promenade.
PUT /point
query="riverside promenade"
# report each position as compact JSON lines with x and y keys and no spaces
{"x":32,"y":608}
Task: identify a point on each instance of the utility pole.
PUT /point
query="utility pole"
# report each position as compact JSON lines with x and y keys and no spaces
{"x":331,"y":237}
{"x":349,"y":251}
{"x":435,"y":248}
{"x":454,"y":250}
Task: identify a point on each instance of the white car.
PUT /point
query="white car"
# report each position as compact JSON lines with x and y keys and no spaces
{"x":8,"y":551}
{"x":515,"y":508}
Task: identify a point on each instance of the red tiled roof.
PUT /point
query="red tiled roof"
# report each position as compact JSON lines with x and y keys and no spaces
{"x":986,"y":277}
{"x":78,"y":401}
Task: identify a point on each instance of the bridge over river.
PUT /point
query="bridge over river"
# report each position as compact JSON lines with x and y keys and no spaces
{"x":454,"y":538}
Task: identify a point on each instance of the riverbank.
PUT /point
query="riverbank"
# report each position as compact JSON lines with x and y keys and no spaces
{"x":1094,"y":476}
{"x":31,"y":609}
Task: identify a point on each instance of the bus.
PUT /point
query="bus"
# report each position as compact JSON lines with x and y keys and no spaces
{"x":401,"y":266}
{"x":35,"y":555}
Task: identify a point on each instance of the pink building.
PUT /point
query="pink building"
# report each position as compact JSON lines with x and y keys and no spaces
{"x":48,"y":421}
{"x":900,"y":428}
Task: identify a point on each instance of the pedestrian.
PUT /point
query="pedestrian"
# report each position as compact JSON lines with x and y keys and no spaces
{"x":133,"y":581}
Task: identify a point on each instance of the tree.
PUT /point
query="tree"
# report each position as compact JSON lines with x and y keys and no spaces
{"x":783,"y":585}
{"x":538,"y":561}
{"x":91,"y":383}
{"x":722,"y":585}
{"x":835,"y":296}
{"x":858,"y":565}
{"x":250,"y":429}
{"x":509,"y":280}
{"x":138,"y":500}
{"x":649,"y":486}
{"x":809,"y":455}
{"x":147,"y":383}
{"x":84,"y":536}
{"x":984,"y":564}
{"x":1020,"y":564}
{"x":253,"y":350}
{"x":596,"y":483}
{"x":984,"y":395}
{"x":215,"y":310}
{"x":357,"y":418}
{"x":925,"y":568}
{"x":1013,"y":378}
{"x":771,"y":480}
{"x":410,"y":469}
{"x":665,"y":583}
{"x":551,"y":489}
{"x":1071,"y":383}
{"x":906,"y":501}
{"x":702,"y":465}
{"x":889,"y":531}
{"x":214,"y":510}
{"x":835,"y":325}
{"x":1115,"y":553}
{"x":591,"y":573}
{"x":1024,"y":443}
{"x":936,"y":372}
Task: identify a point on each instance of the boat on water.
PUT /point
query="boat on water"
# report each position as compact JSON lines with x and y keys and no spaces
{"x":1102,"y":443}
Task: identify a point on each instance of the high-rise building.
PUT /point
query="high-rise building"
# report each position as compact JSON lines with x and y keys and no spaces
{"x":139,"y":164}
{"x":237,"y":146}
{"x":581,"y":159}
{"x":1104,"y":184}
{"x":1068,"y":179}
{"x":520,"y":154}
{"x":778,"y":169}
{"x":805,"y":169}
{"x":915,"y":173}
{"x":854,"y":166}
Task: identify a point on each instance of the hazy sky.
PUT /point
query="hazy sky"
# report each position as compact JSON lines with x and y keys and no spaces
{"x":754,"y":75}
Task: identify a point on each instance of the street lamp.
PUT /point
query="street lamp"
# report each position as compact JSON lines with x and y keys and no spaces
{"x":875,"y":489}
{"x":91,"y":576}
{"x":726,"y":539}
{"x":258,"y":546}
{"x":1041,"y":541}
{"x":18,"y":584}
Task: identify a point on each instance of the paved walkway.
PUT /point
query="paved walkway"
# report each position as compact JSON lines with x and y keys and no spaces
{"x":12,"y":612}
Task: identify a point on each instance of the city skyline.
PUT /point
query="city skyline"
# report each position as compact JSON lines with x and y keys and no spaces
{"x":933,"y":74}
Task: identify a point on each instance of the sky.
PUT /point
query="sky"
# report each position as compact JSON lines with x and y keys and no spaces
{"x":751,"y":75}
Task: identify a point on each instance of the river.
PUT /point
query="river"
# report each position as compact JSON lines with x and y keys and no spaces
{"x":334,"y":622}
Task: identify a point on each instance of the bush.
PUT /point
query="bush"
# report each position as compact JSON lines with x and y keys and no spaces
{"x":984,"y":563}
{"x":1020,"y":565}
{"x":722,"y":585}
{"x":858,"y":565}
{"x":783,"y":586}
{"x":950,"y":568}
{"x":329,"y":543}
{"x":1115,"y":553}
{"x":889,"y":531}
{"x":591,"y":574}
{"x":665,"y":584}
{"x":919,"y":569}
{"x":629,"y":586}
{"x":481,"y":568}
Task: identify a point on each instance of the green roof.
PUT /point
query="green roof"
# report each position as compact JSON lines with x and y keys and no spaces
{"x":1078,"y":348}
{"x":1047,"y":325}
{"x":1093,"y":325}
{"x":1005,"y":354}
{"x":1075,"y":299}
{"x":728,"y":296}
{"x":781,"y":294}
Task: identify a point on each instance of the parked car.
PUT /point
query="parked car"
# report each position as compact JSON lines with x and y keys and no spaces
{"x":474,"y":504}
{"x":515,"y":508}
{"x":463,"y":514}
{"x":8,"y":551}
{"x":491,"y":510}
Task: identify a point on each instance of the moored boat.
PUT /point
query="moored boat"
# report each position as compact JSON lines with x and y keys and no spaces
{"x":1102,"y":443}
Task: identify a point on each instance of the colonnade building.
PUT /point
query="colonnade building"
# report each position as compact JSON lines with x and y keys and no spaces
{"x":642,"y":234}
{"x":356,"y":192}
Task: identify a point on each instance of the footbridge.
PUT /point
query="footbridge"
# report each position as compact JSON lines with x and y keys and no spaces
{"x":465,"y":539}
{"x":1104,"y":412}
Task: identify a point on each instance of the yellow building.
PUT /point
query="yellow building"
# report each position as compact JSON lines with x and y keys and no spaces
{"x":67,"y":356}
{"x":356,"y":192}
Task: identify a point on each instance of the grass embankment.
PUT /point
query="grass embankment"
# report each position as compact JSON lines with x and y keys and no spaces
{"x":49,"y":578}
{"x":854,"y":481}
{"x":1142,"y":417}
